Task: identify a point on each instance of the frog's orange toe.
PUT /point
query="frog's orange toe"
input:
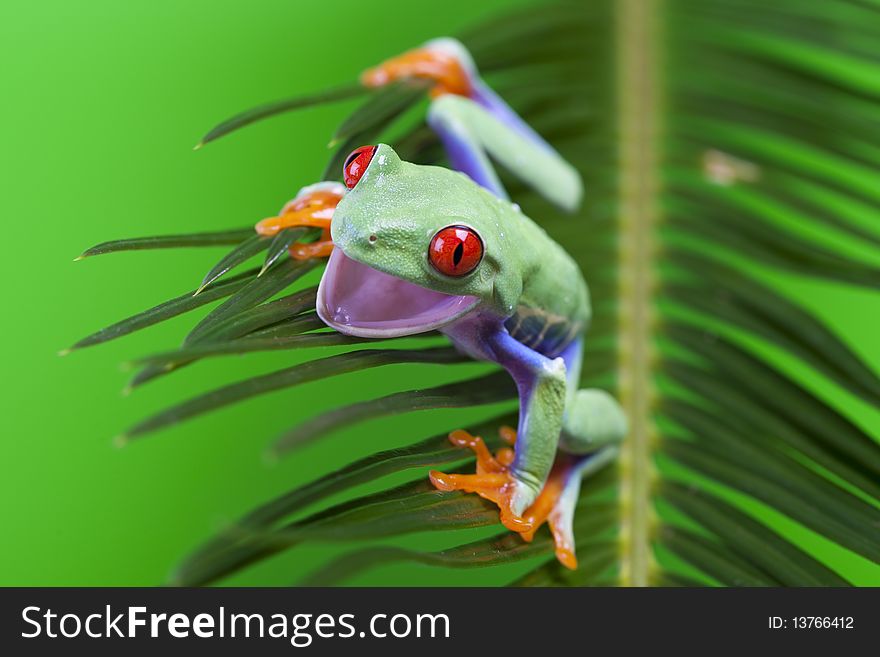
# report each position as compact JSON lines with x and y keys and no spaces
{"x":320,"y":249}
{"x":507,"y":434}
{"x":552,"y":507}
{"x":547,"y":500}
{"x":566,"y":557}
{"x":496,"y":487}
{"x":310,"y":209}
{"x":446,"y":73}
{"x":492,"y":481}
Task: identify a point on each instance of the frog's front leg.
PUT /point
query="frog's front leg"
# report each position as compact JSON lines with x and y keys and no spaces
{"x":313,"y":207}
{"x":513,"y":481}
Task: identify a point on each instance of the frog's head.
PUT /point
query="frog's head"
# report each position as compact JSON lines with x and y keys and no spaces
{"x":416,"y":248}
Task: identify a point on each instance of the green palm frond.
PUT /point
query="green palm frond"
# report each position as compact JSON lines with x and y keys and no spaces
{"x":716,"y":139}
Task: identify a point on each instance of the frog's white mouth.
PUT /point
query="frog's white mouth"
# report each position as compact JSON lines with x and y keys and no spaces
{"x":358,"y":300}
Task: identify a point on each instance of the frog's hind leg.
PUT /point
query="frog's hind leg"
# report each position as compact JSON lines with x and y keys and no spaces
{"x":593,"y":419}
{"x":462,"y":144}
{"x":592,"y":426}
{"x":555,"y":506}
{"x":471,"y":132}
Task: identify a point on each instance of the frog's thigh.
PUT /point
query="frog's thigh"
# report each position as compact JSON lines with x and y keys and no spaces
{"x":593,"y":418}
{"x":450,"y":117}
{"x":471,"y":132}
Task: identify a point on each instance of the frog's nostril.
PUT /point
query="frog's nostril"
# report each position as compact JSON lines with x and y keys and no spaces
{"x":372,"y":238}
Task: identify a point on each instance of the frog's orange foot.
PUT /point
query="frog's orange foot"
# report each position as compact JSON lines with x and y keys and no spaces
{"x":555,"y":506}
{"x":313,"y":207}
{"x":320,"y":249}
{"x":440,"y":67}
{"x":492,"y":481}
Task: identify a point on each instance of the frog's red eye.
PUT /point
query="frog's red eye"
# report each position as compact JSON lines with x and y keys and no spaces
{"x":455,"y":250}
{"x":355,"y":165}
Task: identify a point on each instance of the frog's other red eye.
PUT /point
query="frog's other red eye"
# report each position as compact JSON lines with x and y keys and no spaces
{"x":456,"y":250}
{"x":355,"y":165}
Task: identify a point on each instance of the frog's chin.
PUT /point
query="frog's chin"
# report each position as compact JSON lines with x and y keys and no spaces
{"x":358,"y":300}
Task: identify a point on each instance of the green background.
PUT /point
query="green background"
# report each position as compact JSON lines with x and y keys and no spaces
{"x":102,"y":104}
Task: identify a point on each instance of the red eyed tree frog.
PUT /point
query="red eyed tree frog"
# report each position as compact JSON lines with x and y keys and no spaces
{"x":417,"y":248}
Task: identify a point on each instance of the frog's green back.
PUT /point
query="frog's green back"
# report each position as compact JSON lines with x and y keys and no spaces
{"x":554,"y":307}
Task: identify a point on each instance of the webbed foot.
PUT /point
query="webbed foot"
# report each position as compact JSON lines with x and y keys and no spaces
{"x":438,"y":61}
{"x":555,"y":506}
{"x":495,"y":482}
{"x":313,"y":206}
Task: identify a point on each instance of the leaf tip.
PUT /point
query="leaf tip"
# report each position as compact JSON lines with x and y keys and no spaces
{"x":121,"y":440}
{"x":64,"y":352}
{"x":200,"y":145}
{"x":126,"y":391}
{"x":271,"y":456}
{"x":174,"y":580}
{"x":81,"y":256}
